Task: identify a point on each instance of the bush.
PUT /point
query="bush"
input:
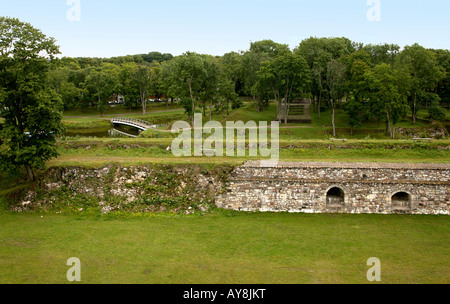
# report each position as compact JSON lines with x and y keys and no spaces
{"x":436,"y":112}
{"x":236,"y":104}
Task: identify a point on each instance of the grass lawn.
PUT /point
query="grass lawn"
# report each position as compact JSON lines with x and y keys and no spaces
{"x":227,"y":246}
{"x":318,"y":129}
{"x":224,"y":247}
{"x":103,"y":151}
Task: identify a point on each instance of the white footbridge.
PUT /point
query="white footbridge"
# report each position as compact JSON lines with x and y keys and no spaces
{"x":133,"y":122}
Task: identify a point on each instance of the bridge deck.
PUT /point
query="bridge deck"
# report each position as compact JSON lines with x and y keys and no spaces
{"x":133,"y":122}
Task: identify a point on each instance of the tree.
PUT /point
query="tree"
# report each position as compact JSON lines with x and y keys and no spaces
{"x":357,"y":88}
{"x":354,"y":110}
{"x":382,"y":53}
{"x":31,"y":109}
{"x":251,"y":64}
{"x":156,"y":85}
{"x":318,"y":52}
{"x":425,"y":71}
{"x":187,"y":79}
{"x":168,"y":83}
{"x":102,"y":82}
{"x":231,"y":80}
{"x":141,"y":77}
{"x":58,"y":77}
{"x":156,"y":57}
{"x":226,"y":94}
{"x":436,"y":112}
{"x":336,"y":84}
{"x":233,"y":69}
{"x":287,"y":76}
{"x":210,"y":88}
{"x":390,"y":89}
{"x":252,"y":60}
{"x":126,"y":85}
{"x":443,"y":87}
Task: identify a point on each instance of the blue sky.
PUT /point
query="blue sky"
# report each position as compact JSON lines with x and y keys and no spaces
{"x":114,"y":28}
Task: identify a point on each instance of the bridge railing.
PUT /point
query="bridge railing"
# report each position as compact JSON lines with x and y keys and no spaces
{"x":139,"y":122}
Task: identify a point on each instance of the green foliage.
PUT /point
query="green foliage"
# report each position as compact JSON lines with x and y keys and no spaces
{"x":31,"y":109}
{"x":354,"y":110}
{"x":382,"y":53}
{"x":388,"y":93}
{"x":155,"y":134}
{"x":436,"y":112}
{"x":156,"y":57}
{"x":237,"y":104}
{"x":199,"y":80}
{"x":203,"y":81}
{"x":286,"y":76}
{"x":425,"y":71}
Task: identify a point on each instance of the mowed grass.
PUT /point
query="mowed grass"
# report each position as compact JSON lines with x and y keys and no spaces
{"x":100,"y":152}
{"x":225,"y":247}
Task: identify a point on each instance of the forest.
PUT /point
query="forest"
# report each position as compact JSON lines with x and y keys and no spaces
{"x":382,"y":83}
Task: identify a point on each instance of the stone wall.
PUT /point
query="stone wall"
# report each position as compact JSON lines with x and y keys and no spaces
{"x":339,"y":188}
{"x":180,"y":188}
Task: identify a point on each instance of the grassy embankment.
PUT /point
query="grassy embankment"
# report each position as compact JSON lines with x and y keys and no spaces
{"x":299,"y":142}
{"x":100,"y":152}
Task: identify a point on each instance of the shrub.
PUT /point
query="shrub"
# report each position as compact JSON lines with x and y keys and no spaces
{"x":236,"y":104}
{"x":436,"y":112}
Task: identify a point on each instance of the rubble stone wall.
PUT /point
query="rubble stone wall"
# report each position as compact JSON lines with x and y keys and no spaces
{"x":339,"y":188}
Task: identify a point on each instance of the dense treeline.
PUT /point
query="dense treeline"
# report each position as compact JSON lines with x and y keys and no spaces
{"x":370,"y":82}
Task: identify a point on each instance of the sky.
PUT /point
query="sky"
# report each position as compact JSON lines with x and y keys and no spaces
{"x":109,"y":28}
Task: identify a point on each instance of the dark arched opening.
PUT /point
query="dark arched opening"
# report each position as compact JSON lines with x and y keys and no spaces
{"x":335,"y":198}
{"x":401,"y":202}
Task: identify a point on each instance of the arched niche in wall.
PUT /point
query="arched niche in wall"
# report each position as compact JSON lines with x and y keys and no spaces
{"x":335,"y":198}
{"x":401,"y":202}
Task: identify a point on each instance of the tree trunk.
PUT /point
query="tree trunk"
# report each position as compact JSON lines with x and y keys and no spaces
{"x":257,"y":103}
{"x":388,"y":121}
{"x":393,"y":131}
{"x":204,"y":108}
{"x":320,"y":99}
{"x":333,"y":122}
{"x":210,"y":110}
{"x":192,"y":99}
{"x":99,"y":104}
{"x":143,"y":105}
{"x":286,"y":110}
{"x":414,"y":108}
{"x":30,"y":173}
